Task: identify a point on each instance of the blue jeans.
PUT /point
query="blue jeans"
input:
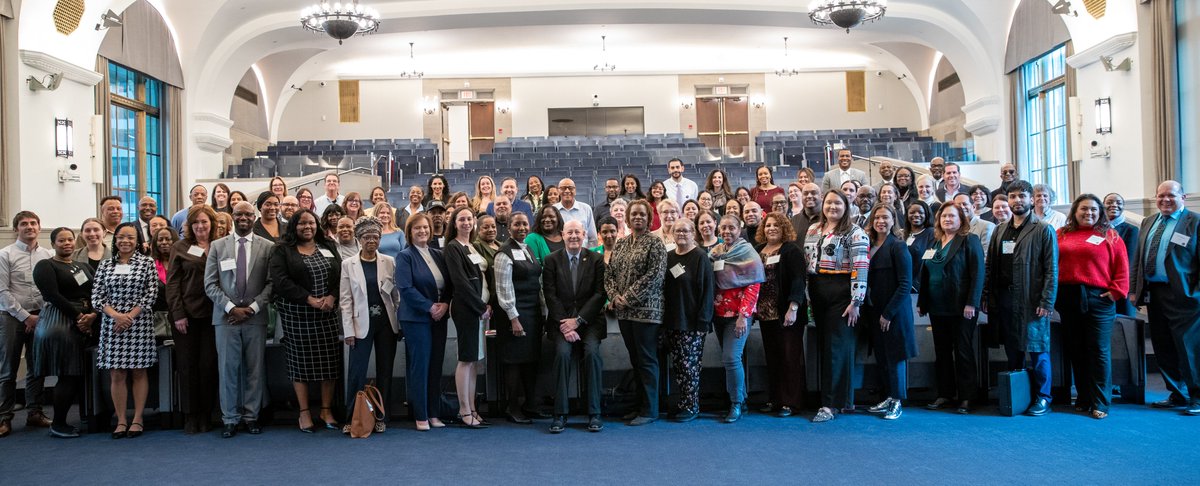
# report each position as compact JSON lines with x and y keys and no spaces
{"x":731,"y":356}
{"x":1039,"y":374}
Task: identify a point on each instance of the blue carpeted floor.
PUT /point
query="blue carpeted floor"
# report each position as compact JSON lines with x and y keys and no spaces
{"x":1135,"y":445}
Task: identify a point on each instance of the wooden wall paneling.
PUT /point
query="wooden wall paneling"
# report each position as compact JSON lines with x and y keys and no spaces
{"x":348,"y":101}
{"x":856,"y":91}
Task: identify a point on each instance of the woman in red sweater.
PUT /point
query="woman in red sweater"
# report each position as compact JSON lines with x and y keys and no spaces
{"x":1093,"y":273}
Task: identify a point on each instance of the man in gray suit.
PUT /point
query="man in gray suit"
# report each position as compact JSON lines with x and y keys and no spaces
{"x":235,"y":279}
{"x":1164,"y":274}
{"x":835,"y":177}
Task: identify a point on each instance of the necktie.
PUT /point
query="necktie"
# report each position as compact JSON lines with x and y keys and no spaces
{"x":239,"y":279}
{"x":679,"y":194}
{"x":1155,"y":240}
{"x":574,"y":273}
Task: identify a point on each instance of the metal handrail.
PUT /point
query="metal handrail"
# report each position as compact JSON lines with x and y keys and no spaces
{"x":296,"y":186}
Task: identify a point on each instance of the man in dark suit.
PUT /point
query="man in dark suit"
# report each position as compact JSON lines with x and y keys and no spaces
{"x":1164,"y":280}
{"x":236,"y":280}
{"x":573,"y":283}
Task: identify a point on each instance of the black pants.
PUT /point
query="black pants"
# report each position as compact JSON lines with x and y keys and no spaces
{"x":1087,"y":322}
{"x":955,"y":363}
{"x":593,"y":368}
{"x":520,"y":383}
{"x":196,"y":363}
{"x":1174,"y":313}
{"x":641,"y":341}
{"x":382,"y":339}
{"x":1165,"y":351}
{"x":830,"y":295}
{"x":783,"y":349}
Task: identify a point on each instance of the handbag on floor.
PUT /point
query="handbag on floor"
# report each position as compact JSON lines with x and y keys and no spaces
{"x":368,"y":409}
{"x":1014,"y":392}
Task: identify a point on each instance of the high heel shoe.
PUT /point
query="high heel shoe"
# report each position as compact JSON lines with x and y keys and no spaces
{"x":423,"y":426}
{"x":469,"y":421}
{"x":330,"y":425}
{"x":436,"y":423}
{"x":482,"y":421}
{"x":311,"y":427}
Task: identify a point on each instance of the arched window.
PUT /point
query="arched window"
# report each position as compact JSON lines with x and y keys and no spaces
{"x":137,"y":138}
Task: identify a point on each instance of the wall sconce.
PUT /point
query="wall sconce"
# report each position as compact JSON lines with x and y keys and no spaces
{"x":430,"y":105}
{"x":687,"y":102}
{"x":758,"y":101}
{"x":63,"y":131}
{"x":1104,"y":115}
{"x":503,"y":107}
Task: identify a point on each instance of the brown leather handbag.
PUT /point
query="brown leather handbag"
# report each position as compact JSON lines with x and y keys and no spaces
{"x":368,"y":409}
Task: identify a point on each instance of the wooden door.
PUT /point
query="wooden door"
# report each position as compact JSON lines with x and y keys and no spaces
{"x":736,"y":118}
{"x":444,"y":111}
{"x":483,"y":128}
{"x":708,"y":124}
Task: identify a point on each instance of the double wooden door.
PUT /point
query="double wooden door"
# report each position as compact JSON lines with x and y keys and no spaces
{"x":723,"y":124}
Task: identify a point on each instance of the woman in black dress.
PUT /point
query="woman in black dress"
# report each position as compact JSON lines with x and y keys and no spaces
{"x":305,"y":274}
{"x":468,"y":308}
{"x":519,"y":335}
{"x":66,"y":318}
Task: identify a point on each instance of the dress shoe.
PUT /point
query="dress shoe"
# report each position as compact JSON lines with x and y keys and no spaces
{"x":135,"y":433}
{"x":735,"y":413}
{"x":595,"y":424}
{"x":642,"y":421}
{"x":228,"y":431}
{"x":482,"y":421}
{"x":825,"y":414}
{"x":630,"y":416}
{"x":1170,"y":402}
{"x":253,"y":427}
{"x":422,"y":426}
{"x":964,"y":408}
{"x":331,"y":425}
{"x":767,"y":408}
{"x":1040,"y":407}
{"x":536,"y":414}
{"x":518,"y":418}
{"x":938,"y":404}
{"x":784,"y":411}
{"x":312,"y":427}
{"x":37,"y":419}
{"x":5,"y":428}
{"x":1193,"y":409}
{"x":893,"y":411}
{"x":436,"y":423}
{"x":559,"y":424}
{"x":881,"y":406}
{"x":121,"y":431}
{"x":471,"y":422}
{"x":686,"y":416}
{"x":63,"y":432}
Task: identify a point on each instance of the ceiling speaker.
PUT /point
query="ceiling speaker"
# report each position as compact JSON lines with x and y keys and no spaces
{"x":67,"y":15}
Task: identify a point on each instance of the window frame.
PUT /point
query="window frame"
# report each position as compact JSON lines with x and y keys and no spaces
{"x":143,"y":112}
{"x":1050,"y":143}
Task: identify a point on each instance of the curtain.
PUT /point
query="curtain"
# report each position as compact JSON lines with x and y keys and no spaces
{"x":1035,"y":31}
{"x":144,"y":44}
{"x":103,"y":102}
{"x":1016,"y":107}
{"x":1164,"y":90}
{"x":5,"y":106}
{"x":173,"y":120}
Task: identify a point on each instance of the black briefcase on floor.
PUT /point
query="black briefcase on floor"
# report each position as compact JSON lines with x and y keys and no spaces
{"x":1013,"y":392}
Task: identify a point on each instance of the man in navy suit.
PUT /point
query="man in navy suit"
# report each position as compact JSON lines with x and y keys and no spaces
{"x":1165,"y":276}
{"x":573,"y":283}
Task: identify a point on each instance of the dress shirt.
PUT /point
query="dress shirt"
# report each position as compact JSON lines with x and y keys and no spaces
{"x":249,"y":264}
{"x":505,"y":294}
{"x":438,"y":279}
{"x":1160,"y":253}
{"x":583,"y":213}
{"x":518,"y":206}
{"x":682,"y":191}
{"x":320,"y":203}
{"x":18,"y":295}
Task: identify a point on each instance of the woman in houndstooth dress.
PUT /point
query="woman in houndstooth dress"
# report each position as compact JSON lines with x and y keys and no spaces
{"x":305,"y":274}
{"x":125,"y":289}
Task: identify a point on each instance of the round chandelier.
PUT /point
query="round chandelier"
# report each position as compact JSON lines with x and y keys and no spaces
{"x":340,"y":20}
{"x":846,"y":14}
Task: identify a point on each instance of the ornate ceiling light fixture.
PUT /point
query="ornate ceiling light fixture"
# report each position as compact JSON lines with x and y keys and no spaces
{"x":786,"y":70}
{"x":846,"y":14}
{"x":340,"y":20}
{"x":412,"y":64}
{"x":604,"y":66}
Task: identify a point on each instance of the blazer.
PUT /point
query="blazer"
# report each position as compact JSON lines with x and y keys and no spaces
{"x":1035,"y":281}
{"x":186,"y":296}
{"x":220,"y":284}
{"x":1182,"y":266}
{"x":587,"y":302}
{"x":356,"y":316}
{"x":1129,"y":235}
{"x":262,"y":231}
{"x":964,"y":268}
{"x":828,"y":182}
{"x":790,"y":280}
{"x":467,"y":280}
{"x":889,"y":295}
{"x":920,"y":243}
{"x":290,"y":278}
{"x":416,"y":286}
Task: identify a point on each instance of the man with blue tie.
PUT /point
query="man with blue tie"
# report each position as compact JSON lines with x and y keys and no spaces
{"x":573,"y":284}
{"x":235,"y":279}
{"x":1165,"y":281}
{"x":679,"y":188}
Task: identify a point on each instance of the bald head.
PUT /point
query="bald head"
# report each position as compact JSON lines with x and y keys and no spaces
{"x":288,"y":206}
{"x":574,"y":235}
{"x":566,"y":193}
{"x":243,"y":218}
{"x":810,"y":196}
{"x":937,"y":166}
{"x":1008,"y":172}
{"x":147,"y":208}
{"x":1169,"y":197}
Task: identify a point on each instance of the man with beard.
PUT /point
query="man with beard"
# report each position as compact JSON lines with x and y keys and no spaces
{"x":864,"y":199}
{"x":503,"y":212}
{"x":1008,"y":174}
{"x":751,"y":215}
{"x":1020,"y":287}
{"x":287,"y":207}
{"x":678,"y":188}
{"x":612,"y":191}
{"x":810,"y":196}
{"x":20,"y":304}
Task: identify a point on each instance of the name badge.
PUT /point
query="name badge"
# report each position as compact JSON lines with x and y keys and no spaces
{"x":670,"y":246}
{"x":476,"y":259}
{"x":773,"y":259}
{"x":81,"y":278}
{"x":228,"y":264}
{"x":442,"y":242}
{"x":910,"y":240}
{"x":1180,"y":239}
{"x":718,"y":265}
{"x":1095,"y":239}
{"x":387,"y":286}
{"x":518,"y":256}
{"x":326,"y":253}
{"x":928,"y":254}
{"x":196,"y":251}
{"x":677,"y":270}
{"x":1008,"y":247}
{"x":123,"y":269}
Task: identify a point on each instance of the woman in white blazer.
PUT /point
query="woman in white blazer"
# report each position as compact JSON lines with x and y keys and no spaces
{"x":368,"y":301}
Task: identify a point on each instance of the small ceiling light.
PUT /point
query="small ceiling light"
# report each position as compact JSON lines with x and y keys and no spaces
{"x":412,"y":62}
{"x":786,"y":71}
{"x":605,"y":66}
{"x":846,"y":14}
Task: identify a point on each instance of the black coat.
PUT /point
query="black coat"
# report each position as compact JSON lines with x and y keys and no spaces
{"x":290,"y":278}
{"x":467,"y":281}
{"x":889,"y":295}
{"x":790,"y":279}
{"x":588,"y":299}
{"x":1129,"y":235}
{"x":920,"y":243}
{"x":964,"y":268}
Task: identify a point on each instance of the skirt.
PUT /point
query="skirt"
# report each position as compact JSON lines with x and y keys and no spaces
{"x":468,"y":329}
{"x":57,"y":345}
{"x":310,"y":340}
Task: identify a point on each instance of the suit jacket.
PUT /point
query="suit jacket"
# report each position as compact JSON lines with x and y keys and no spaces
{"x":1182,"y":266}
{"x":833,"y":178}
{"x":290,"y":278}
{"x":220,"y":285}
{"x":356,"y":315}
{"x":889,"y":295}
{"x":1129,"y":235}
{"x":790,"y":280}
{"x":417,"y":288}
{"x":588,"y":299}
{"x":467,"y":280}
{"x":964,"y":270}
{"x":1035,"y":282}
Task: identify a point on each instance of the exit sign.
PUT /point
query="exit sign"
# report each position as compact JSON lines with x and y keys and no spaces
{"x":720,"y":90}
{"x":466,"y":95}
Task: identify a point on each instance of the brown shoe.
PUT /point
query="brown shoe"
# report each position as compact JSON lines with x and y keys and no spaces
{"x":37,"y":419}
{"x":5,"y":428}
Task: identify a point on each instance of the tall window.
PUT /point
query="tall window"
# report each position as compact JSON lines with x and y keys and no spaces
{"x":1044,"y":125}
{"x":138,"y":140}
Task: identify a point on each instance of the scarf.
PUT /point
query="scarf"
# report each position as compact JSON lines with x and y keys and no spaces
{"x":743,"y":267}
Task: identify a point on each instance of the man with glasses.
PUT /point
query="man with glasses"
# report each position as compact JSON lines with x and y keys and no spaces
{"x":288,"y":207}
{"x":612,"y":191}
{"x":1008,"y":174}
{"x":333,"y":184}
{"x":937,"y":168}
{"x":573,"y":210}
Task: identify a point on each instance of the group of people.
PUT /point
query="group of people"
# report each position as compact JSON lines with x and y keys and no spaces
{"x":545,"y":269}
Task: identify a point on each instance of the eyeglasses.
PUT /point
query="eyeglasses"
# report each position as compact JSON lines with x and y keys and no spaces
{"x":566,"y":188}
{"x":1008,"y":171}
